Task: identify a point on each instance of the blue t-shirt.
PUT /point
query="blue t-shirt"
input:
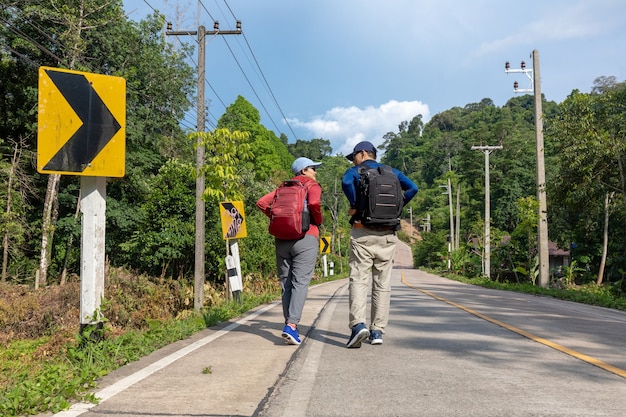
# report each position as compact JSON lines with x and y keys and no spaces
{"x":351,"y":180}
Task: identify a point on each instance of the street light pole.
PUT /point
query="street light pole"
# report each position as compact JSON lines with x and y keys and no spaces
{"x":410,"y":223}
{"x":198,"y":298}
{"x":487,"y":261}
{"x":542,"y":227}
{"x":448,"y":188}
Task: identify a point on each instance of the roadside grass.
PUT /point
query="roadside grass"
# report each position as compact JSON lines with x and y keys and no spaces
{"x":30,"y":386}
{"x":592,"y":294}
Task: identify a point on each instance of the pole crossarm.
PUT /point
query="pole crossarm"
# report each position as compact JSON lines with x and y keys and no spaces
{"x":526,"y":71}
{"x":486,"y":148}
{"x":206,"y":32}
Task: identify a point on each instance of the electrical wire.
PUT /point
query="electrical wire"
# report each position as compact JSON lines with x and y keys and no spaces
{"x":251,"y":86}
{"x":256,"y":65}
{"x":264,"y":79}
{"x":263,"y":75}
{"x":24,"y":36}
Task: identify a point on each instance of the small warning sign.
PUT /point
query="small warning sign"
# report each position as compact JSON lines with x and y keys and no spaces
{"x":233,"y":220}
{"x":324,"y":244}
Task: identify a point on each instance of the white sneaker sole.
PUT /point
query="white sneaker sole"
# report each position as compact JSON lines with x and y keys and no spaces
{"x":290,"y":339}
{"x":355,"y":342}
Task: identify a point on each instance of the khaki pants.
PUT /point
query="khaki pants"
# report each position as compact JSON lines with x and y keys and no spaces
{"x":371,"y":261}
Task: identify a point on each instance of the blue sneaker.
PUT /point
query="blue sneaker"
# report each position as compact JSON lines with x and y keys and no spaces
{"x":359,"y":334}
{"x":376,"y":337}
{"x":291,"y":335}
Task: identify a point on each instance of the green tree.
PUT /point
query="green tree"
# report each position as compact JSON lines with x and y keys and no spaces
{"x":315,"y":149}
{"x":523,"y":241}
{"x":100,"y":40}
{"x":430,"y":252}
{"x":590,"y":136}
{"x":164,"y":240}
{"x":227,"y":154}
{"x":269,"y":152}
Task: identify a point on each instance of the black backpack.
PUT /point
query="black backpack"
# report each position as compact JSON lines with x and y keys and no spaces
{"x":379,"y":196}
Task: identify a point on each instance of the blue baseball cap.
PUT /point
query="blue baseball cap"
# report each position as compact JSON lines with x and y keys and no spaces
{"x":361,"y":146}
{"x":301,"y":163}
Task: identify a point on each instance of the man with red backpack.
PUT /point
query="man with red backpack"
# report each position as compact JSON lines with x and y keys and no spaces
{"x":295,"y":211}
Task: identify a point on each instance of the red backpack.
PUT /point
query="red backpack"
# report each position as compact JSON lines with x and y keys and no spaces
{"x":289,"y":213}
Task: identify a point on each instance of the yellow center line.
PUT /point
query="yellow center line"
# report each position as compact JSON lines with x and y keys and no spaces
{"x":560,"y":348}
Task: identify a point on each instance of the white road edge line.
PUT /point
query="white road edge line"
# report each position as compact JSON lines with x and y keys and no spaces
{"x":114,"y":389}
{"x":299,"y":398}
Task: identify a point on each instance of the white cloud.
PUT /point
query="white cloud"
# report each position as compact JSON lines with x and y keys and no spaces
{"x":344,"y":127}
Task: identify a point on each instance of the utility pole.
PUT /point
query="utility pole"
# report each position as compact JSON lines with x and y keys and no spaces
{"x":457,"y":227}
{"x":410,"y":224}
{"x":452,"y":234}
{"x":542,"y":229}
{"x":451,"y":246}
{"x":200,"y":185}
{"x":487,"y":261}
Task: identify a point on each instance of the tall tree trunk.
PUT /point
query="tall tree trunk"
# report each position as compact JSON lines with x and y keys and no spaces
{"x":70,"y":243}
{"x":605,"y":243}
{"x":47,"y":229}
{"x":5,"y":240}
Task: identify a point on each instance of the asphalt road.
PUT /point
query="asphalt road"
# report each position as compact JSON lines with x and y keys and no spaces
{"x":451,"y":349}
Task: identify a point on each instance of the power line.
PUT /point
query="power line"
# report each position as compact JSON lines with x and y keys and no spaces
{"x":251,"y":86}
{"x":254,"y":65}
{"x":258,"y":67}
{"x":24,"y":36}
{"x":270,"y":89}
{"x":263,"y":76}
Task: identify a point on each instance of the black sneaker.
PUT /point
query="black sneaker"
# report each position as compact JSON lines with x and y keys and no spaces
{"x":359,"y":334}
{"x":376,"y":337}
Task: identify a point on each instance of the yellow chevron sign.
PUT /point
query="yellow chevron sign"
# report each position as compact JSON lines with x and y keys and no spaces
{"x":81,"y":123}
{"x":325,"y":244}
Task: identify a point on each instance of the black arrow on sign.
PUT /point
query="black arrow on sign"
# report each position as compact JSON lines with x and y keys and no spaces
{"x":237,"y":220}
{"x":99,"y":124}
{"x":324,"y":245}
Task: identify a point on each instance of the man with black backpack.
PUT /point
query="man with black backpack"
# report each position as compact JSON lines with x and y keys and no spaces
{"x":295,"y":212}
{"x":376,"y":193}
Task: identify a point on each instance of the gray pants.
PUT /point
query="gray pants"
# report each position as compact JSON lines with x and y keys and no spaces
{"x":295,"y":262}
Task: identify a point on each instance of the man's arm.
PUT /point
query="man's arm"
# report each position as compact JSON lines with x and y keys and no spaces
{"x":408,"y":186}
{"x":348,"y":186}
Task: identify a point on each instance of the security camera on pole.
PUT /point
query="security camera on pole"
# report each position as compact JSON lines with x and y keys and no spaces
{"x":535,"y":86}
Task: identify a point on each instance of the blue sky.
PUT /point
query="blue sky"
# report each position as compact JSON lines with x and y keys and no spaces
{"x":351,"y":70}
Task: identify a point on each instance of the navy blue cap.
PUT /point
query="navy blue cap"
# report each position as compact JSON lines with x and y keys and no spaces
{"x":361,"y":146}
